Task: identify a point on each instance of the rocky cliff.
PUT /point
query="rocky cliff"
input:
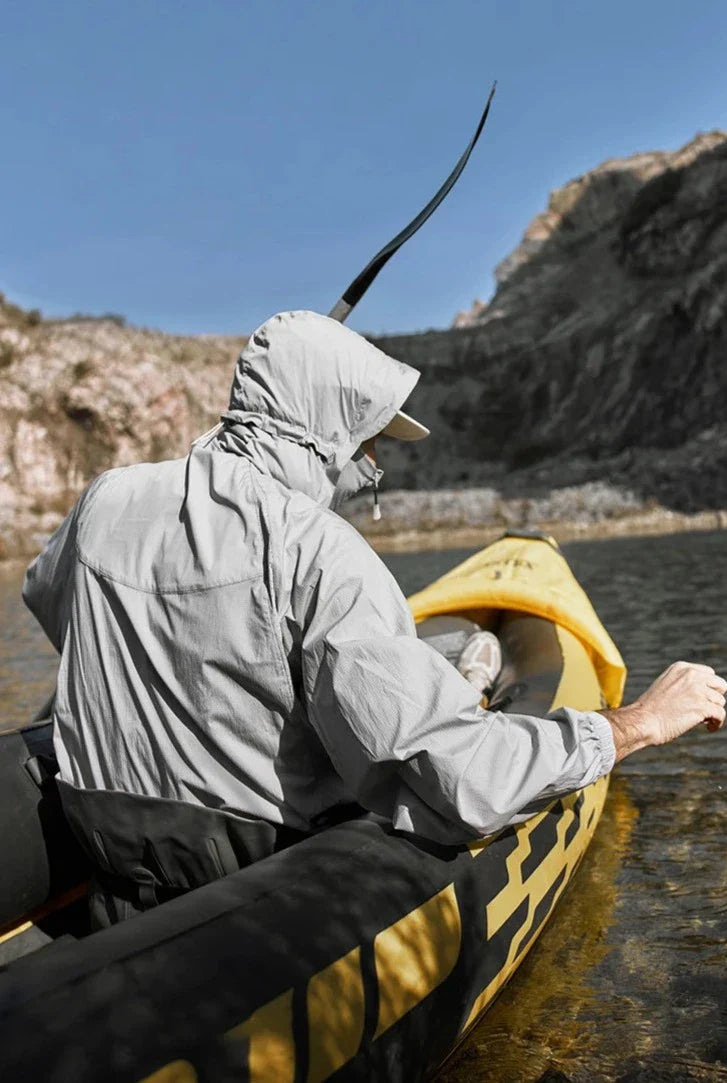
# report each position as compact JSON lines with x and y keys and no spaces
{"x":592,"y":383}
{"x":79,"y":396}
{"x":602,"y":357}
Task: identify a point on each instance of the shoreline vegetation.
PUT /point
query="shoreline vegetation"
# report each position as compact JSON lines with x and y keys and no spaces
{"x":408,"y":526}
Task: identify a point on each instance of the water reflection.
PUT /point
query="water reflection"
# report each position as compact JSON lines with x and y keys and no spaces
{"x":628,"y":982}
{"x":540,"y":1018}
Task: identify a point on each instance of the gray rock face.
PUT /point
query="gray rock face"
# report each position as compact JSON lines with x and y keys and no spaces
{"x":603,"y":353}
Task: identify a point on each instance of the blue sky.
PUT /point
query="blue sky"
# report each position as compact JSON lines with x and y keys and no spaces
{"x":198,"y":166}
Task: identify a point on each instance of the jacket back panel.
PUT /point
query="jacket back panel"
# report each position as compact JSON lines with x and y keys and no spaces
{"x":174,"y":678}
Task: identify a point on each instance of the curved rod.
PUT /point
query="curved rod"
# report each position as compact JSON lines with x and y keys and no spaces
{"x":350,"y":298}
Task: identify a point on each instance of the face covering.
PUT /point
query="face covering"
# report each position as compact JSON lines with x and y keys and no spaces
{"x":359,"y":473}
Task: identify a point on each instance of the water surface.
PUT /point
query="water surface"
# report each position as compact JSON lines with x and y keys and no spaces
{"x":629,"y":980}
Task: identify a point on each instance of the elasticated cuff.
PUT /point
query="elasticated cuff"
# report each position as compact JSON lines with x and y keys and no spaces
{"x":603,"y":733}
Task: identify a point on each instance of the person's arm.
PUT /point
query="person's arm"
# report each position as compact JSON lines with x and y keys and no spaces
{"x":44,"y":586}
{"x":404,"y":729}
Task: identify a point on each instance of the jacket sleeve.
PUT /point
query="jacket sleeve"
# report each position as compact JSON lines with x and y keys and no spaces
{"x":46,"y":580}
{"x":404,"y":729}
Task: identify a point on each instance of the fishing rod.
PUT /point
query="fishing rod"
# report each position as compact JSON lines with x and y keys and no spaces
{"x":351,"y":297}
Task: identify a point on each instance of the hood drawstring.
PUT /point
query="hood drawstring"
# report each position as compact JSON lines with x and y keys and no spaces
{"x":377,"y":509}
{"x":207,"y":437}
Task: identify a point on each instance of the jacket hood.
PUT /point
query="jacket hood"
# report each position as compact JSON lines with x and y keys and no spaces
{"x":306,"y":393}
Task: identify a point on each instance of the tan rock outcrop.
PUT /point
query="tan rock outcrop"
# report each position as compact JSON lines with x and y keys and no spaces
{"x":78,"y":397}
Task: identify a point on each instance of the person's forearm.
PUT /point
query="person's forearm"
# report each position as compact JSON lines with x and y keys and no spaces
{"x":510,"y":764}
{"x":631,"y":730}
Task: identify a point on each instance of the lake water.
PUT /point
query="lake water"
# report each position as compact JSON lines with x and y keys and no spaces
{"x":629,"y":980}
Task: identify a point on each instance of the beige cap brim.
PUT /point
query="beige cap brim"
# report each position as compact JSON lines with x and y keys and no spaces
{"x":403,"y":427}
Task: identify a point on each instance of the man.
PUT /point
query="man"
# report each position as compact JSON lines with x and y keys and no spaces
{"x":238,"y":667}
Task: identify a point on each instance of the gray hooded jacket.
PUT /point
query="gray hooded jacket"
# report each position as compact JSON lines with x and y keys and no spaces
{"x":228,"y":641}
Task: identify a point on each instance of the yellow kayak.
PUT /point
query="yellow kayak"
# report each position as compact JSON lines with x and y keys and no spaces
{"x":359,"y":952}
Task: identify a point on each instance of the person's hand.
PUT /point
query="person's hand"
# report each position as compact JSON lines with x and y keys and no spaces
{"x":683,"y":696}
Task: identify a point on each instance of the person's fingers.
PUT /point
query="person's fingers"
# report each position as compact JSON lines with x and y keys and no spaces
{"x":715,"y":712}
{"x":695,"y":672}
{"x":690,"y":668}
{"x":699,"y":666}
{"x":712,"y":710}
